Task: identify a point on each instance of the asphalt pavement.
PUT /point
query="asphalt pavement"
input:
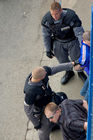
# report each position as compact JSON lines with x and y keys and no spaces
{"x":21,"y":50}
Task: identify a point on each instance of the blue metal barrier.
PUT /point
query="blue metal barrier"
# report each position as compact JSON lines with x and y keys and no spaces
{"x":90,"y":100}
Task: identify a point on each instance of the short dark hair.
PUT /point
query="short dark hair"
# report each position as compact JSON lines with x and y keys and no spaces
{"x":55,"y":6}
{"x":51,"y":107}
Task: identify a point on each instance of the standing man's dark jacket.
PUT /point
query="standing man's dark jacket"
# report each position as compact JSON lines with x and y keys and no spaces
{"x":72,"y":119}
{"x":67,"y":28}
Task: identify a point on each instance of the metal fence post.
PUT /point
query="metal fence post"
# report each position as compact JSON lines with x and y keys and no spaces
{"x":90,"y":100}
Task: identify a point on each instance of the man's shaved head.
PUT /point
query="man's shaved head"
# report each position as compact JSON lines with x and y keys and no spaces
{"x":38,"y":73}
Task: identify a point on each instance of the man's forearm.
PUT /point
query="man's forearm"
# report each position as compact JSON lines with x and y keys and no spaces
{"x":62,"y":67}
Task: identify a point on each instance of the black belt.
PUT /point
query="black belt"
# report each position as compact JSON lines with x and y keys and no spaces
{"x":65,"y":40}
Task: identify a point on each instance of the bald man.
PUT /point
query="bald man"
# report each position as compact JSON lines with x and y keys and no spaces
{"x":38,"y":94}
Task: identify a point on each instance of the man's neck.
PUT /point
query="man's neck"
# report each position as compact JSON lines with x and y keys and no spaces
{"x":34,"y":80}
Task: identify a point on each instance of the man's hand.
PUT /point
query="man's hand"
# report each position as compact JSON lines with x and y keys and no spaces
{"x":85,"y":126}
{"x":77,"y":67}
{"x":85,"y":105}
{"x":49,"y":54}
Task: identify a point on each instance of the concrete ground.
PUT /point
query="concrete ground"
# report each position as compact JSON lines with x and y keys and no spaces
{"x":21,"y":50}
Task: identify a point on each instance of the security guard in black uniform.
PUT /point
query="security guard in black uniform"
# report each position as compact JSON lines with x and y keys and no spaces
{"x":38,"y":94}
{"x":62,"y":33}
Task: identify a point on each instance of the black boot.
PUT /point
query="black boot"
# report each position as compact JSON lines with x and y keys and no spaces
{"x":62,"y":95}
{"x":82,"y":76}
{"x":68,"y":75}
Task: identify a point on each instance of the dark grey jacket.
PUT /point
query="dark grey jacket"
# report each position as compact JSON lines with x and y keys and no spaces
{"x":72,"y":119}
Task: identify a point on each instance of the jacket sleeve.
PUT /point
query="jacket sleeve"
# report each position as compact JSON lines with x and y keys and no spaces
{"x":84,"y":59}
{"x":61,"y":67}
{"x":77,"y":125}
{"x":78,"y":31}
{"x":76,"y":24}
{"x":46,"y":38}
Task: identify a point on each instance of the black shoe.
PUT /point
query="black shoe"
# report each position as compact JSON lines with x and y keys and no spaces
{"x":68,"y":75}
{"x":62,"y":95}
{"x":82,"y":76}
